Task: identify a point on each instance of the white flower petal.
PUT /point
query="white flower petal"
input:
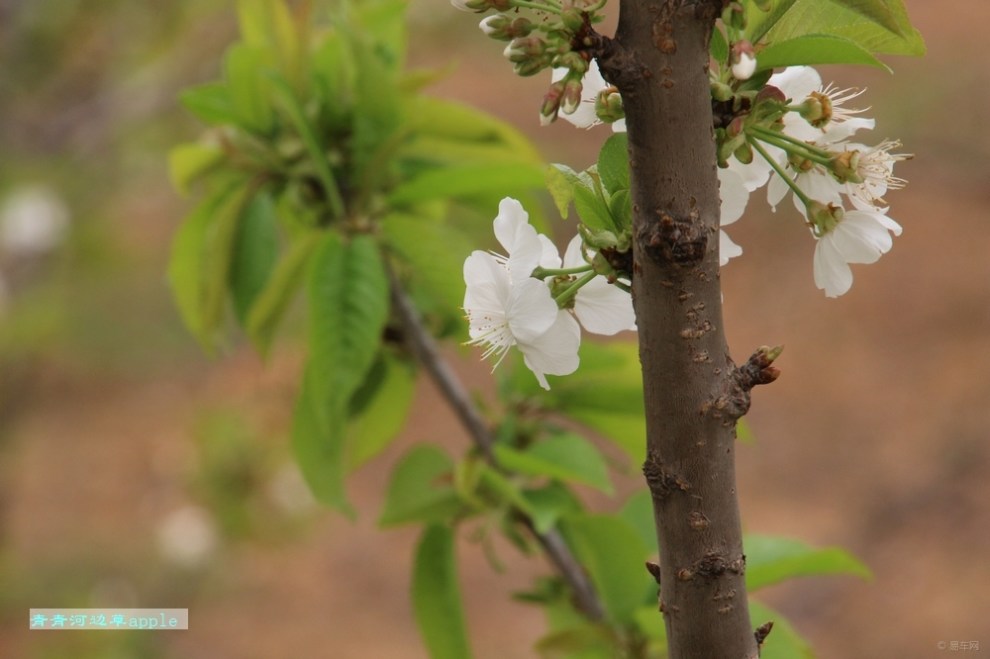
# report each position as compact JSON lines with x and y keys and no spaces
{"x":603,"y":308}
{"x":556,"y":351}
{"x":832,"y":273}
{"x":734,"y":195}
{"x":531,"y":309}
{"x":591,"y":85}
{"x":726,"y":248}
{"x":797,"y":82}
{"x":511,"y":218}
{"x":573,"y":257}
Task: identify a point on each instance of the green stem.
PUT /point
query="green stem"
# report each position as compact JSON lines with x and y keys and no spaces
{"x":547,"y":6}
{"x":568,"y":293}
{"x":543,"y":273}
{"x":755,"y":143}
{"x":792,"y":145}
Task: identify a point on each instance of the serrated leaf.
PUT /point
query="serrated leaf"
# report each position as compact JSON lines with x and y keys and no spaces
{"x":815,"y":49}
{"x":566,"y":457}
{"x":759,"y":22}
{"x":187,"y":163}
{"x":421,"y":488}
{"x":255,"y":253}
{"x":770,"y":560}
{"x":613,"y":554}
{"x":877,"y":11}
{"x":592,"y":209}
{"x":318,"y":443}
{"x":829,"y":17}
{"x":348,"y":306}
{"x":382,"y":416}
{"x":285,"y":281}
{"x":783,"y":642}
{"x":436,"y":596}
{"x":613,"y":163}
{"x":465,"y":181}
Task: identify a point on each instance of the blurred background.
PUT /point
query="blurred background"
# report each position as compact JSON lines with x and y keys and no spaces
{"x":135,"y":471}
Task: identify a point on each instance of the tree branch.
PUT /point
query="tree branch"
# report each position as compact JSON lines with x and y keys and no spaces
{"x":425,"y":348}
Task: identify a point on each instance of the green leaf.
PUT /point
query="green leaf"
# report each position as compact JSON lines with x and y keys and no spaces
{"x":815,"y":49}
{"x":759,"y":22}
{"x":318,"y":443}
{"x":613,"y":163}
{"x":613,"y":554}
{"x":464,"y":181}
{"x":561,"y":181}
{"x":620,"y":208}
{"x":770,"y":560}
{"x":584,"y":641}
{"x":436,"y":596}
{"x":201,"y":257}
{"x":877,"y":11}
{"x":451,"y":121}
{"x":566,"y":457}
{"x":718,"y":47}
{"x":187,"y":163}
{"x":210,"y":102}
{"x":605,"y":394}
{"x":435,"y":253}
{"x":421,"y":489}
{"x":255,"y":253}
{"x":783,"y":642}
{"x":273,"y":300}
{"x":549,"y":504}
{"x":592,"y":209}
{"x":348,"y":306}
{"x":382,"y":411}
{"x":831,"y":17}
{"x":247,"y":87}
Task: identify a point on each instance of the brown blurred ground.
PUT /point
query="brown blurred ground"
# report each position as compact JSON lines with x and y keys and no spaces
{"x":875,"y":438}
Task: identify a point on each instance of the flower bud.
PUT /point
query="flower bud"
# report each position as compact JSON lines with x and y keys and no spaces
{"x":743,"y":59}
{"x":734,"y":16}
{"x":573,"y":61}
{"x":572,"y":96}
{"x":523,"y":49}
{"x":551,"y":103}
{"x":744,"y":153}
{"x":721,"y":92}
{"x":531,"y":67}
{"x":505,"y":28}
{"x":608,"y":105}
{"x":478,"y":6}
{"x":573,"y":19}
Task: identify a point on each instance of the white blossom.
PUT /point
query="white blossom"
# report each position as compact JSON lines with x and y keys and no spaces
{"x":600,"y":307}
{"x":860,"y":236}
{"x":33,"y":220}
{"x":592,"y":84}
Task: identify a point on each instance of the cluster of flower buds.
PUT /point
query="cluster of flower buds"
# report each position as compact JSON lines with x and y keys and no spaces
{"x":552,"y":41}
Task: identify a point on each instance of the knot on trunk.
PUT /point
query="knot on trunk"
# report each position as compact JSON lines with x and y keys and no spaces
{"x":681,"y":241}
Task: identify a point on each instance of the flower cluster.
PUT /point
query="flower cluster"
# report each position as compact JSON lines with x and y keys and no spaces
{"x":801,"y":132}
{"x":531,"y":299}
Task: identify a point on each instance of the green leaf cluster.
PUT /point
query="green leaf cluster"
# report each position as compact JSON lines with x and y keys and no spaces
{"x":828,"y":32}
{"x":323,"y":169}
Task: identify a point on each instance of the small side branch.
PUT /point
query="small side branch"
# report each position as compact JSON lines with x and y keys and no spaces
{"x":427,"y":352}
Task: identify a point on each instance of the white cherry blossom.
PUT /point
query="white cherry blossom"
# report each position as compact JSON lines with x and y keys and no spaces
{"x":600,"y":307}
{"x":859,"y":237}
{"x":592,"y":84}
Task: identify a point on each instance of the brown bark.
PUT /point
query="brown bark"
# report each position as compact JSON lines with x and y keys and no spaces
{"x":694,"y":392}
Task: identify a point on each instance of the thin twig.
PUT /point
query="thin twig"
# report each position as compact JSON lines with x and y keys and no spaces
{"x":453,"y":390}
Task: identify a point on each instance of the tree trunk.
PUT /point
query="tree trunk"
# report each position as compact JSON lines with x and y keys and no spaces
{"x":694,"y":392}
